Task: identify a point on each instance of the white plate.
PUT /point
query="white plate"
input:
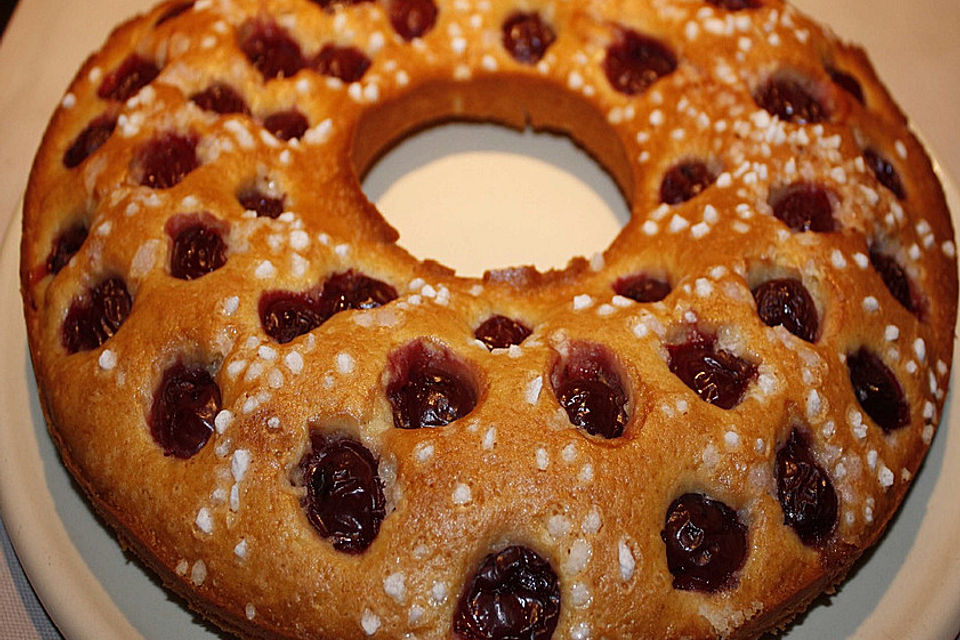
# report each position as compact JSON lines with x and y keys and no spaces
{"x":908,"y":588}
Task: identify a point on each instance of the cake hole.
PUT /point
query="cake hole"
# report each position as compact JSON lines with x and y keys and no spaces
{"x":185,"y":405}
{"x":685,"y":180}
{"x":501,"y":332}
{"x":270,"y":49}
{"x":715,"y":375}
{"x":786,"y":302}
{"x":735,"y":5}
{"x":527,"y":37}
{"x":706,"y":543}
{"x":877,"y":390}
{"x":220,"y":98}
{"x":805,"y":206}
{"x":515,"y":593}
{"x":89,"y":140}
{"x":174,"y":11}
{"x":65,"y":246}
{"x":286,"y":125}
{"x":847,"y":82}
{"x":349,"y":64}
{"x":589,"y":386}
{"x":791,"y":98}
{"x":165,"y":160}
{"x":344,"y":499}
{"x":885,"y":172}
{"x":412,"y":18}
{"x":429,"y":386}
{"x":330,"y":4}
{"x":895,"y":278}
{"x":95,"y":316}
{"x":480,"y":196}
{"x":197,"y":245}
{"x":125,"y":81}
{"x":643,"y":287}
{"x":804,"y":490}
{"x":635,"y":61}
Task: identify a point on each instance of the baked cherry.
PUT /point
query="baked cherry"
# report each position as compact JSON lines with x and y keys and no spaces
{"x":514,"y":595}
{"x":642,"y":288}
{"x":706,"y":543}
{"x":717,"y":376}
{"x":591,"y":390}
{"x":133,"y":74}
{"x":429,"y":386}
{"x":804,"y":206}
{"x":501,"y":332}
{"x":65,"y":246}
{"x":735,"y":5}
{"x":785,"y":301}
{"x":789,"y":100}
{"x":347,"y":63}
{"x":286,"y":125}
{"x":806,"y":495}
{"x":877,"y":390}
{"x":894,"y":277}
{"x":198,"y":247}
{"x":412,"y":18}
{"x":255,"y":200}
{"x":344,"y":498}
{"x":221,"y":98}
{"x":847,"y":82}
{"x":270,"y":49}
{"x":885,"y":172}
{"x":184,"y":408}
{"x":634,"y":62}
{"x":95,"y":317}
{"x":527,"y":37}
{"x":165,"y":160}
{"x":284,"y":315}
{"x":89,"y":140}
{"x":173,"y":12}
{"x":685,"y":180}
{"x":353,"y":290}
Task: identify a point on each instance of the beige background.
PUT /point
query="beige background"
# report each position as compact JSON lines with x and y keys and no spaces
{"x":914,"y":45}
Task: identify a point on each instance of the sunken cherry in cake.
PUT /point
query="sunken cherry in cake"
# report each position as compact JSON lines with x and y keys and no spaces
{"x":308,"y":433}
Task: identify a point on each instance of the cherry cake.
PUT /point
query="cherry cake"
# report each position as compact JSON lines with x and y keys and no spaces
{"x":306,"y":432}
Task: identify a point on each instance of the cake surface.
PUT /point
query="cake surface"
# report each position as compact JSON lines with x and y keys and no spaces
{"x":306,"y":432}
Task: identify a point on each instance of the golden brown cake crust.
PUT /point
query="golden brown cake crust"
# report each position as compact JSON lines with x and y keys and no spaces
{"x":226,"y":526}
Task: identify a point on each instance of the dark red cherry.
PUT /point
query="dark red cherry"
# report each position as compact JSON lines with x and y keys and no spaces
{"x":412,"y":18}
{"x":527,"y":37}
{"x":133,"y":74}
{"x":635,"y":61}
{"x":89,"y":140}
{"x":789,"y":100}
{"x":717,"y":376}
{"x":65,"y":246}
{"x":173,"y":12}
{"x":885,"y":172}
{"x":735,"y":5}
{"x":270,"y":49}
{"x":286,"y":125}
{"x":804,"y":207}
{"x":787,"y":302}
{"x":684,"y":181}
{"x":877,"y":390}
{"x":344,"y":501}
{"x":220,"y":98}
{"x":353,"y":290}
{"x":500,"y":332}
{"x":429,"y":386}
{"x":184,"y":408}
{"x":591,"y":390}
{"x":328,"y":4}
{"x":166,"y":160}
{"x":706,"y":543}
{"x":894,"y":277}
{"x":846,"y":82}
{"x":642,"y":288}
{"x":806,"y":494}
{"x":514,"y":595}
{"x":347,"y":63}
{"x":284,"y":315}
{"x":198,"y":246}
{"x":256,"y":200}
{"x":96,"y":316}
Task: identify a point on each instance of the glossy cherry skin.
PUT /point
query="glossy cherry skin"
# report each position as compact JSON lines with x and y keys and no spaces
{"x":706,"y":543}
{"x":255,"y":200}
{"x":684,"y":181}
{"x":344,"y":499}
{"x":642,"y":288}
{"x":805,"y":492}
{"x":221,"y":98}
{"x":125,"y":81}
{"x":96,"y":317}
{"x":790,"y":100}
{"x":885,"y":172}
{"x":89,"y":140}
{"x":526,"y":37}
{"x":270,"y":49}
{"x":349,"y":64}
{"x":785,"y":301}
{"x":715,"y":375}
{"x":166,"y":160}
{"x":501,"y":332}
{"x":197,"y":246}
{"x":877,"y":390}
{"x":635,"y":61}
{"x":514,"y":595}
{"x":65,"y":247}
{"x":804,"y":207}
{"x":185,"y":406}
{"x":589,"y":387}
{"x":429,"y":387}
{"x":412,"y":18}
{"x":894,"y":278}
